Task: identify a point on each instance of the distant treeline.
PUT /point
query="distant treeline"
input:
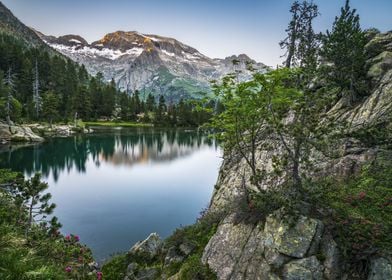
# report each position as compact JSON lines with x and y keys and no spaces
{"x":38,"y":86}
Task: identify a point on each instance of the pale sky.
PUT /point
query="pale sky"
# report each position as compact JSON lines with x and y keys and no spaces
{"x":217,"y":28}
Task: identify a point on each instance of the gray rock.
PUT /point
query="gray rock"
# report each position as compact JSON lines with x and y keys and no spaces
{"x":132,"y":268}
{"x":380,"y":269}
{"x":332,"y":263}
{"x":187,"y":248}
{"x":24,"y":134}
{"x":5,"y":134}
{"x":303,"y":269}
{"x":226,"y":247}
{"x":291,"y":240}
{"x":274,"y":258}
{"x":150,"y":273}
{"x":172,"y":256}
{"x":315,"y":245}
{"x":150,"y":246}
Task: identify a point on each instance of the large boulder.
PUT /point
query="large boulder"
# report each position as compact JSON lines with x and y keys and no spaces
{"x":303,"y":269}
{"x":5,"y":134}
{"x":332,"y":263}
{"x":291,"y":236}
{"x":24,"y":134}
{"x":236,"y":252}
{"x":380,"y":269}
{"x":150,"y":247}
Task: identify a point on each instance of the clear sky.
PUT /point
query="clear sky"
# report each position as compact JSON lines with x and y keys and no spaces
{"x":217,"y":28}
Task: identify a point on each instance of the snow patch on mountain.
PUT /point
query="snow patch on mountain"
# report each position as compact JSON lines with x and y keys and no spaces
{"x":151,"y":63}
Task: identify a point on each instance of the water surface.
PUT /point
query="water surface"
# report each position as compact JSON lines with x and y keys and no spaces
{"x":116,"y":186}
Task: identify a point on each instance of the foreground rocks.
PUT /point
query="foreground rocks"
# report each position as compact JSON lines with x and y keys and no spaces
{"x":285,"y":247}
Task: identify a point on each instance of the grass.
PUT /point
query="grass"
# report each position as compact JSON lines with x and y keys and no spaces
{"x":197,"y":234}
{"x":42,"y":253}
{"x":117,"y":124}
{"x":360,"y":213}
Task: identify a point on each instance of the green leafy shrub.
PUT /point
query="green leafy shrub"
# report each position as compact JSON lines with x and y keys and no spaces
{"x":361,"y":211}
{"x":43,"y":253}
{"x":115,"y":268}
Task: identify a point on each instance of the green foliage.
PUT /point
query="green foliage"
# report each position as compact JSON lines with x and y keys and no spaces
{"x":361,"y":211}
{"x":197,"y":234}
{"x":194,"y":269}
{"x":115,"y":268}
{"x":301,"y":43}
{"x":344,"y":51}
{"x":45,"y":254}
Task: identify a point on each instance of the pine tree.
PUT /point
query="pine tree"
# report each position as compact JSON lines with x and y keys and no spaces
{"x":36,"y":92}
{"x":289,"y":42}
{"x":37,"y":204}
{"x":50,"y":106}
{"x":343,"y":52}
{"x":301,"y":42}
{"x":10,"y":87}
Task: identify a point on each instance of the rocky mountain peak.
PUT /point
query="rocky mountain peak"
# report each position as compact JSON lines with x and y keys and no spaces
{"x":150,"y":63}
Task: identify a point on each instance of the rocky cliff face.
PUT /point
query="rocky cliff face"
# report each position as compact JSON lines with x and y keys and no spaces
{"x":275,"y":250}
{"x":150,"y":63}
{"x":282,"y":245}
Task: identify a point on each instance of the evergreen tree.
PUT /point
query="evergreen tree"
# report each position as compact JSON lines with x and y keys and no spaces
{"x":10,"y":88}
{"x":50,"y":106}
{"x":289,"y":43}
{"x":343,"y":52}
{"x":36,"y":92}
{"x":30,"y":195}
{"x":301,"y":42}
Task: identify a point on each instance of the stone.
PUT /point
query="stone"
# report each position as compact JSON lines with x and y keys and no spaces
{"x":172,"y":256}
{"x":150,"y":246}
{"x":5,"y":134}
{"x":332,"y":263}
{"x":187,"y":248}
{"x":24,"y":134}
{"x":149,"y":273}
{"x":274,"y":258}
{"x":132,"y":268}
{"x":380,"y":64}
{"x":379,"y":42}
{"x":291,"y":240}
{"x":303,"y":269}
{"x":315,"y":245}
{"x":380,"y":269}
{"x":236,"y":252}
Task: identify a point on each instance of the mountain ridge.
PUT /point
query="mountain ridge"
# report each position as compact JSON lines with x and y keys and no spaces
{"x":151,"y":63}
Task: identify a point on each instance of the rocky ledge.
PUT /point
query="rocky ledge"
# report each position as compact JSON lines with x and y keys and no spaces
{"x":16,"y":133}
{"x":35,"y":133}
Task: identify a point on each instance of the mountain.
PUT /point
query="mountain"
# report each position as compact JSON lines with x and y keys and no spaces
{"x":150,"y":63}
{"x":9,"y":24}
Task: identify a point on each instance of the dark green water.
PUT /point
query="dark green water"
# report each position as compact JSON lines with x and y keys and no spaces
{"x":116,"y":186}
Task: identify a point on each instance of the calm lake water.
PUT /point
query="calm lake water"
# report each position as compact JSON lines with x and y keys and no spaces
{"x":116,"y":186}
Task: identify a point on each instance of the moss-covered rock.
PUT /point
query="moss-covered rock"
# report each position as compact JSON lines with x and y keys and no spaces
{"x":304,"y":269}
{"x":380,"y":269}
{"x":290,"y":236}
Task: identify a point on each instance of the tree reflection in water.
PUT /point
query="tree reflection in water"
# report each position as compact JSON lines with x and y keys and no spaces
{"x":115,"y":146}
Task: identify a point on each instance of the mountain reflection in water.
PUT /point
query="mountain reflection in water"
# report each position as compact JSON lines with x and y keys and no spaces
{"x":117,"y":146}
{"x":116,"y":186}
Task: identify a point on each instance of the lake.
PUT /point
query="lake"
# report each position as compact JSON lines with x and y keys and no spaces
{"x":116,"y":186}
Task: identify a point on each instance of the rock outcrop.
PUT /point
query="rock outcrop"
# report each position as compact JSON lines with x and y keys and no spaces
{"x":284,"y":247}
{"x":300,"y":247}
{"x":149,"y":247}
{"x":15,"y":133}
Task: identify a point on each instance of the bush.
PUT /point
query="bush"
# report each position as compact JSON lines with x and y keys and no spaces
{"x":115,"y":268}
{"x":361,"y":213}
{"x":43,"y":253}
{"x":194,"y":269}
